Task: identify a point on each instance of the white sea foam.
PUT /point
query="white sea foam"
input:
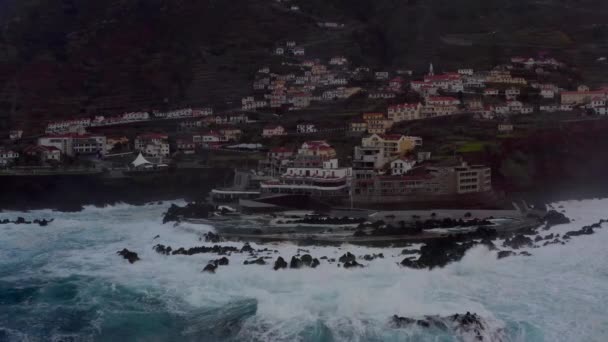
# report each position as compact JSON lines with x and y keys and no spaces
{"x":558,"y":294}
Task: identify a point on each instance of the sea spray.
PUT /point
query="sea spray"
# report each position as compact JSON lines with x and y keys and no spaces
{"x":69,"y":267}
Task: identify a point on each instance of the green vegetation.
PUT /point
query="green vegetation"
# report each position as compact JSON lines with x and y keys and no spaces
{"x":476,"y":146}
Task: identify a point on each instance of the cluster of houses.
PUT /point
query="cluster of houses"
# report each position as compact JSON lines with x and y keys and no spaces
{"x":77,"y":125}
{"x":305,"y":82}
{"x":385,"y":168}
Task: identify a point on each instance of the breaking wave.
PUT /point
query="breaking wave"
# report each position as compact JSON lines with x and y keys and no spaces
{"x":65,"y":282}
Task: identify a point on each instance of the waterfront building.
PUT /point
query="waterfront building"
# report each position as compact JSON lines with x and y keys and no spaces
{"x":329,"y":180}
{"x":153,"y":144}
{"x":420,"y":184}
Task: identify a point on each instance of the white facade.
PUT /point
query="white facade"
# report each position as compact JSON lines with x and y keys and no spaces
{"x":306,"y":128}
{"x":404,"y":112}
{"x":7,"y":157}
{"x":401,"y":166}
{"x":273,"y":131}
{"x":153,"y":145}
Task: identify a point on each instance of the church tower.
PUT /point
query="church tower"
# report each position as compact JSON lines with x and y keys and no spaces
{"x":431,"y":70}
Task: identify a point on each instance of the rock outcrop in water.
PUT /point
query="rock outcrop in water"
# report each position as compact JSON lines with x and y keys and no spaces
{"x":440,"y":252}
{"x":553,"y":218}
{"x":21,"y":220}
{"x":258,"y":261}
{"x":280,"y":263}
{"x":127,"y":254}
{"x":217,"y":249}
{"x":467,"y":326}
{"x":223,"y":261}
{"x":518,"y":241}
{"x":210,"y":268}
{"x":191,"y":210}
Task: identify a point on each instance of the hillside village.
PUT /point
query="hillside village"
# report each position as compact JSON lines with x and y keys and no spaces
{"x":289,"y":117}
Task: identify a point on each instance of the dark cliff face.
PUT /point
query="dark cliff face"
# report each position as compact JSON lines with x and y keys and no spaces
{"x":60,"y":57}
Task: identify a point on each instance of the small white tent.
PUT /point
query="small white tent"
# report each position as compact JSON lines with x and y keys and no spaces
{"x":140,"y":160}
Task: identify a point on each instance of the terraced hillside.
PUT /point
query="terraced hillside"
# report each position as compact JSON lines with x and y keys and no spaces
{"x":60,"y":57}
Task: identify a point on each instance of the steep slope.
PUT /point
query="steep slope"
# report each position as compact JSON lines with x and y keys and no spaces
{"x":60,"y":57}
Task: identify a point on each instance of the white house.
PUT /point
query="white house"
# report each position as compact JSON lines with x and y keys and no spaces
{"x":273,"y":131}
{"x":467,"y":71}
{"x":15,"y":134}
{"x":136,"y":116}
{"x":7,"y":156}
{"x":306,"y":128}
{"x":512,"y":93}
{"x":381,"y":75}
{"x":153,"y":144}
{"x":547,"y":93}
{"x":299,"y":51}
{"x":402,"y":166}
{"x":490,"y":92}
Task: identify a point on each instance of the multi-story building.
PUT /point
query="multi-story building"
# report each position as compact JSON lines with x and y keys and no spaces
{"x":153,"y":144}
{"x":377,"y":150}
{"x":74,"y":144}
{"x":404,"y":112}
{"x":377,"y":123}
{"x":358,"y":126}
{"x":330,"y":180}
{"x":421,"y":184}
{"x":582,"y":96}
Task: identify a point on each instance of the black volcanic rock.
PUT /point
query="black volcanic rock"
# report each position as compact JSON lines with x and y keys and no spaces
{"x":504,"y":254}
{"x":295,"y":262}
{"x":352,"y":264}
{"x":211,"y":237}
{"x":518,"y":241}
{"x":306,"y":259}
{"x":191,"y":210}
{"x":348,"y":256}
{"x":583,"y":231}
{"x":210,"y":268}
{"x":127,"y":254}
{"x":223,"y":261}
{"x":280,"y":263}
{"x":553,"y":218}
{"x":258,"y":261}
{"x":246,"y":248}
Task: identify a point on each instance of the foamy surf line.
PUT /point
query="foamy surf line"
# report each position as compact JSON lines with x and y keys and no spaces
{"x":325,"y":303}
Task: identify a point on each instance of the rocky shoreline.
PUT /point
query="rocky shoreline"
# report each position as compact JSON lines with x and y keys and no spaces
{"x":434,"y":253}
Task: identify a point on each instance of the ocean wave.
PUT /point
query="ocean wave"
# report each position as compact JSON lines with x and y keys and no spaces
{"x":65,"y":281}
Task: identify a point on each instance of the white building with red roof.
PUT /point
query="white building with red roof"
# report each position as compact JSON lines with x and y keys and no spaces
{"x":404,"y":112}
